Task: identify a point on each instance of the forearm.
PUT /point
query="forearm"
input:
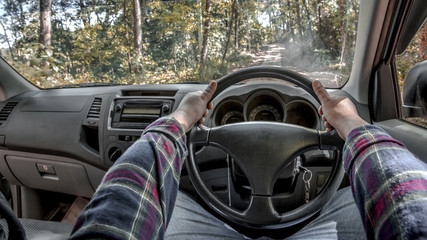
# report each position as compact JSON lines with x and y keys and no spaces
{"x":389,"y":184}
{"x":138,"y":192}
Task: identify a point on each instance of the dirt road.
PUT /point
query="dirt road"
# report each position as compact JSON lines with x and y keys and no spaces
{"x":296,"y":59}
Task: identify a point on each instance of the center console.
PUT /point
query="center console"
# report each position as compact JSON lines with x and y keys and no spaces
{"x":127,"y":120}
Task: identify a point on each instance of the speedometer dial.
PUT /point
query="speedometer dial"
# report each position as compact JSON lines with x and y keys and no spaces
{"x":232,"y":117}
{"x":265,"y":113}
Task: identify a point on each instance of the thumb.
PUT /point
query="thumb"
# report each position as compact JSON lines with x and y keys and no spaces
{"x":320,"y":92}
{"x":209,"y":91}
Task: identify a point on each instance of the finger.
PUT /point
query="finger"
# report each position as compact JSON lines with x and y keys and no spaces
{"x":209,"y":91}
{"x":210,"y":105}
{"x":320,"y":92}
{"x":206,"y":113}
{"x":328,"y":125}
{"x":201,"y":121}
{"x":320,"y":111}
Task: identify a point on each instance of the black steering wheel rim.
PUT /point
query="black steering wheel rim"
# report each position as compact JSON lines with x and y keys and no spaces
{"x":269,"y":221}
{"x":267,"y":72}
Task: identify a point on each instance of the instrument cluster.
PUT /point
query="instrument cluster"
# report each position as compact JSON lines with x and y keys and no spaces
{"x":266,"y":105}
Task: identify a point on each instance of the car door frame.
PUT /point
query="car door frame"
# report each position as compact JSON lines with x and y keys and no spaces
{"x":384,"y":97}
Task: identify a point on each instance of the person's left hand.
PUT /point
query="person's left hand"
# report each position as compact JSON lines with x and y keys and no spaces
{"x":194,"y":107}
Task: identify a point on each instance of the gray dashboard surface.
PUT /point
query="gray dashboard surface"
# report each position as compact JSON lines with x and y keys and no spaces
{"x":53,"y":127}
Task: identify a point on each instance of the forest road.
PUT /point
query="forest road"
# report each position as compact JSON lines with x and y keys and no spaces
{"x":294,"y":58}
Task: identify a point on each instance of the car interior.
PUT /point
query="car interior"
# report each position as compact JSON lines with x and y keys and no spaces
{"x":56,"y":144}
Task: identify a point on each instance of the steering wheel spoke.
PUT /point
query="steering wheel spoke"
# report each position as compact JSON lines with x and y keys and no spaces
{"x":330,"y":140}
{"x":199,"y":136}
{"x":263,"y":149}
{"x":262,"y":209}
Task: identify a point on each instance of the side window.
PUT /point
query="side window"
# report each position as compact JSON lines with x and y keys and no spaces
{"x":412,"y":73}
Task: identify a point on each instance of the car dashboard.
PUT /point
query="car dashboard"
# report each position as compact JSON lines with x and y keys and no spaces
{"x":64,"y":140}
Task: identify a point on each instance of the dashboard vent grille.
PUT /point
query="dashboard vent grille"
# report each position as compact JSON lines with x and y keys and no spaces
{"x":95,"y":108}
{"x":7,"y":110}
{"x":149,"y":93}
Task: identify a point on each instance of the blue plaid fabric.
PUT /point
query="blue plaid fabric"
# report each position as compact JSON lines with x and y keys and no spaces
{"x":389,"y":184}
{"x":137,"y":195}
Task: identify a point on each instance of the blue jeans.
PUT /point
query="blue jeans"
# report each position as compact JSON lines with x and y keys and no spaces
{"x":339,"y":219}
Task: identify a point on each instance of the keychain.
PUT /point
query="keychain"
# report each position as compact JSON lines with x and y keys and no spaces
{"x":306,"y":177}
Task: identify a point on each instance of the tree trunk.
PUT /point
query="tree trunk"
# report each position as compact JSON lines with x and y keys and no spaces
{"x":125,"y":19}
{"x":21,"y":20}
{"x":319,"y":19}
{"x":248,"y":31}
{"x":291,"y":23}
{"x":206,"y":26}
{"x":422,"y":44}
{"x":137,"y":31}
{"x":85,"y":15}
{"x":299,"y":24}
{"x":200,"y":28}
{"x":7,"y":40}
{"x":308,"y":17}
{"x":230,"y":28}
{"x":236,"y":25}
{"x":45,"y":23}
{"x":343,"y":27}
{"x":137,"y":42}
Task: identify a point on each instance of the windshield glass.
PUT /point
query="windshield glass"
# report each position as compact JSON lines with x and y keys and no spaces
{"x":88,"y":42}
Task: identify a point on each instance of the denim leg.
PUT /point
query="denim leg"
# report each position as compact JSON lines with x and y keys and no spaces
{"x":191,"y":221}
{"x":339,"y":219}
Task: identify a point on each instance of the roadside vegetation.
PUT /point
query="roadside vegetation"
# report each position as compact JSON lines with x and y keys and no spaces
{"x":415,"y":53}
{"x":59,"y":42}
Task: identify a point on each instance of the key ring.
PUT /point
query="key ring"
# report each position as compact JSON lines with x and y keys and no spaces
{"x":310,"y":174}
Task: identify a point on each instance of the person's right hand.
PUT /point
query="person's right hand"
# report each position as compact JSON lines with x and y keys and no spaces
{"x":337,"y":112}
{"x":194,"y":107}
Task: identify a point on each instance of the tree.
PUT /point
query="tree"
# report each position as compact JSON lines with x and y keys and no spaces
{"x":230,"y":28}
{"x":299,"y":20}
{"x":422,"y":44}
{"x":127,"y":37}
{"x":236,"y":25}
{"x":104,"y":40}
{"x":7,"y":39}
{"x":45,"y":23}
{"x":343,"y":27}
{"x":206,"y":26}
{"x":137,"y":28}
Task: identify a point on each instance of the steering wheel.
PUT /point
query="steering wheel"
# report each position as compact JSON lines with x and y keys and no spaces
{"x":263,"y":150}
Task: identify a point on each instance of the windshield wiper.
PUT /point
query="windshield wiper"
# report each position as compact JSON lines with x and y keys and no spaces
{"x":87,"y":85}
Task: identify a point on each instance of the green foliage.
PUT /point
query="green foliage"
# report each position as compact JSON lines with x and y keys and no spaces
{"x":93,"y":40}
{"x":407,"y":60}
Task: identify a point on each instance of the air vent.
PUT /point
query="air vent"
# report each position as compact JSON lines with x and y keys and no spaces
{"x":95,"y":109}
{"x":7,"y":110}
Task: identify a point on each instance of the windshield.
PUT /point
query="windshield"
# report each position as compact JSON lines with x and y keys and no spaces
{"x":88,"y":42}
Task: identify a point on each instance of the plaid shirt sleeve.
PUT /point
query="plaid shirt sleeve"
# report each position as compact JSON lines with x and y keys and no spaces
{"x":137,"y":195}
{"x":389,"y":184}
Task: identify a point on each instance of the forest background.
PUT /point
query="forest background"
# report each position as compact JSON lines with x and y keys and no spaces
{"x":62,"y":42}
